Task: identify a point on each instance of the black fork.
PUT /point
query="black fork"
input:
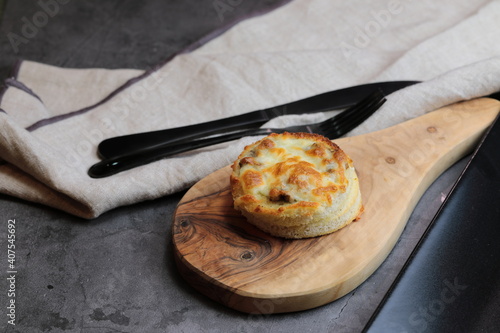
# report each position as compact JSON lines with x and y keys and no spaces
{"x":331,"y":128}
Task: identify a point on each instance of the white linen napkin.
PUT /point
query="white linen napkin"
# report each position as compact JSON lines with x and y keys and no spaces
{"x":52,"y":119}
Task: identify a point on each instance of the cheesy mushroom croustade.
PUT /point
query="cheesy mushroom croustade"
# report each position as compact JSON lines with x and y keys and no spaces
{"x":296,"y":185}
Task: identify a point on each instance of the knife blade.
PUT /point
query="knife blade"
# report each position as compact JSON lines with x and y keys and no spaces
{"x":333,"y":100}
{"x":451,"y":282}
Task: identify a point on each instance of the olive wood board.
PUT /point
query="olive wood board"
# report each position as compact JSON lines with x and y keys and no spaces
{"x":227,"y":259}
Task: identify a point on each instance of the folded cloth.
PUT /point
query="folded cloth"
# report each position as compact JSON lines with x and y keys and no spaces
{"x":52,"y":119}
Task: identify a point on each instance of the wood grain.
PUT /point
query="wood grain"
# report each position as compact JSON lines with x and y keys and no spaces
{"x":234,"y":263}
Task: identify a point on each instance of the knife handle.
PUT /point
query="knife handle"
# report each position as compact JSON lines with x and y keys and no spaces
{"x":123,"y":145}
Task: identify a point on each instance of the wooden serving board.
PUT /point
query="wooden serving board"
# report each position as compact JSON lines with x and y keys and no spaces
{"x":232,"y":262}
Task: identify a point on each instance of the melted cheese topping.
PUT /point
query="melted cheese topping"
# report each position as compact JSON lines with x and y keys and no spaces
{"x":289,"y":171}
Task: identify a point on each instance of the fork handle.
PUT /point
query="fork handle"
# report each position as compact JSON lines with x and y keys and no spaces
{"x":140,"y":157}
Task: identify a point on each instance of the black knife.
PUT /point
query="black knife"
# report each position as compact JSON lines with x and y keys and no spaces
{"x":451,"y":282}
{"x":333,"y":100}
